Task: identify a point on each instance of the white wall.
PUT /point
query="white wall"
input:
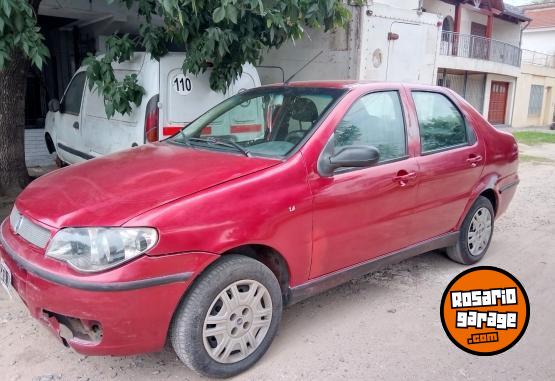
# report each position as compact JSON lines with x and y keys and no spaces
{"x":468,"y":17}
{"x":440,"y":8}
{"x":365,"y":53}
{"x":534,"y":75}
{"x":506,"y":31}
{"x":404,"y":4}
{"x":539,"y":40}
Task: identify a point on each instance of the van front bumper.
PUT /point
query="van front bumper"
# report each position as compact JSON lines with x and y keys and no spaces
{"x":124,"y":311}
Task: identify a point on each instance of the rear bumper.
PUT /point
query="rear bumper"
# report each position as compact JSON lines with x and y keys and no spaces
{"x":132,"y":314}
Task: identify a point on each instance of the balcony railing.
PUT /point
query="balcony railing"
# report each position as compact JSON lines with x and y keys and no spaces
{"x":537,"y":58}
{"x":466,"y":45}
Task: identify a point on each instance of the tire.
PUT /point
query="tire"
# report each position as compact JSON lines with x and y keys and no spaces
{"x":465,"y":251}
{"x":232,"y":277}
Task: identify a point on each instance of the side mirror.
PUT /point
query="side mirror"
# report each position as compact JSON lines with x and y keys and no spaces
{"x":54,"y":105}
{"x":349,"y":157}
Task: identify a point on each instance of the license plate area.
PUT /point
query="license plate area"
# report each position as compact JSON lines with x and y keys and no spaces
{"x":5,"y":278}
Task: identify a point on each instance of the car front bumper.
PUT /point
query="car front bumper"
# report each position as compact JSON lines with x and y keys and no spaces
{"x":126,"y":310}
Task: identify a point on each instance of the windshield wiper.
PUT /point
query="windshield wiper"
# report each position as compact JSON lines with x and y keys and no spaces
{"x":226,"y":143}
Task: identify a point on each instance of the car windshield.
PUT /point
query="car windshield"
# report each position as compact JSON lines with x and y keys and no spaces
{"x":262,"y":122}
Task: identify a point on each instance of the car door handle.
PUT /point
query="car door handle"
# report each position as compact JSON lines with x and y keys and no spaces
{"x":474,"y":159}
{"x":76,"y":125}
{"x":403,"y":177}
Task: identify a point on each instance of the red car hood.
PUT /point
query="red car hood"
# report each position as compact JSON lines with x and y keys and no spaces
{"x":109,"y":191}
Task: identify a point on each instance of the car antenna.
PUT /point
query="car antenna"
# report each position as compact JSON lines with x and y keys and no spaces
{"x":302,"y":68}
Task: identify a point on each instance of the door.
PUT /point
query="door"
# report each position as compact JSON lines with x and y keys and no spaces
{"x":68,"y":122}
{"x":363,"y":213}
{"x":479,"y":45}
{"x":102,"y":135}
{"x":405,"y":40}
{"x":450,"y":163}
{"x":498,"y":102}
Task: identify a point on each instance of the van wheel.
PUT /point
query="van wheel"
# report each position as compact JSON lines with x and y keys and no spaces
{"x":475,"y":234}
{"x":59,"y":162}
{"x":229,"y":317}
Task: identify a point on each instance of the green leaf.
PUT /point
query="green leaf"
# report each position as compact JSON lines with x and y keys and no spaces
{"x":168,"y":5}
{"x":6,"y":7}
{"x":231,"y":13}
{"x":218,"y":15}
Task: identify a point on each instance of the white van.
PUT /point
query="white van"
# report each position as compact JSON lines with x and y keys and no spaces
{"x":77,"y":128}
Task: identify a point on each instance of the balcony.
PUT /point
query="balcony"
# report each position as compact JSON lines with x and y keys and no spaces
{"x":538,"y":59}
{"x":480,"y":48}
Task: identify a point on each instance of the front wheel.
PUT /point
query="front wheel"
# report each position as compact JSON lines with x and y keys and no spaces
{"x":229,"y":317}
{"x":475,"y":234}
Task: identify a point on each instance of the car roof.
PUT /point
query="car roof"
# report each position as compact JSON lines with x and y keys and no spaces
{"x":353,"y":84}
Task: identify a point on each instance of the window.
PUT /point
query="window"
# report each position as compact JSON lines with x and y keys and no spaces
{"x":447,"y":29}
{"x":441,"y":123}
{"x":377,"y":120}
{"x":74,"y":94}
{"x":536,"y":101}
{"x":264,"y":122}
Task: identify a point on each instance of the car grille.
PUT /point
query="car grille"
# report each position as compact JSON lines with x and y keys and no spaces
{"x":28,"y":230}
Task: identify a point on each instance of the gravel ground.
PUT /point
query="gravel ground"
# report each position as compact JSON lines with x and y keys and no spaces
{"x":384,"y":326}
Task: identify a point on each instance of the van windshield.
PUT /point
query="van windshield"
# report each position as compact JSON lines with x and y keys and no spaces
{"x":262,"y":122}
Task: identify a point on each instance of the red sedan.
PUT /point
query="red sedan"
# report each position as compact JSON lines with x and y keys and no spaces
{"x":206,"y":236}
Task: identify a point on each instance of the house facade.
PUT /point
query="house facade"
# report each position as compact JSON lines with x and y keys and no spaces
{"x":539,"y":35}
{"x":535,"y":105}
{"x":480,"y":53}
{"x":470,"y":46}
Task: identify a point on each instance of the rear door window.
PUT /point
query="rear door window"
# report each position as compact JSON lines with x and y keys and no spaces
{"x":442,"y":125}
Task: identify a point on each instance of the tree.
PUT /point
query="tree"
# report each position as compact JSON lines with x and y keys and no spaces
{"x":220,"y":34}
{"x":21,"y":45}
{"x":217,"y":34}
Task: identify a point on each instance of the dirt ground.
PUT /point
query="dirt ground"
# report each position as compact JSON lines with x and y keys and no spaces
{"x":384,"y":326}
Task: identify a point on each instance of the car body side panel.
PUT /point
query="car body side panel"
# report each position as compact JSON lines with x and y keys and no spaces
{"x":446,"y":179}
{"x":358,"y":214}
{"x":272,"y":207}
{"x":501,"y":163}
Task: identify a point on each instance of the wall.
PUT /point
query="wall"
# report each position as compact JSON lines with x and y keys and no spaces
{"x":468,"y":17}
{"x":477,"y":65}
{"x":534,"y":75}
{"x":539,"y":40}
{"x":404,"y":4}
{"x":440,"y":8}
{"x":506,"y":31}
{"x":364,"y":52}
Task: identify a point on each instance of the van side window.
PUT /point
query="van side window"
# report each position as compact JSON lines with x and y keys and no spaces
{"x":377,"y":120}
{"x":71,"y":103}
{"x":441,"y":124}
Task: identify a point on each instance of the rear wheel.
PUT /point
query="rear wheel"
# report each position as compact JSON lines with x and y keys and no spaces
{"x":229,"y":318}
{"x":475,"y":234}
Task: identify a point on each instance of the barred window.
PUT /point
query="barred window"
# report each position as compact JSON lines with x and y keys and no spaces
{"x":536,"y":100}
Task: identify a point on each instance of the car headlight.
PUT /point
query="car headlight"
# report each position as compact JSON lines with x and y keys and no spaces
{"x":98,"y":249}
